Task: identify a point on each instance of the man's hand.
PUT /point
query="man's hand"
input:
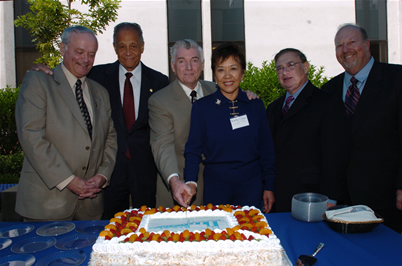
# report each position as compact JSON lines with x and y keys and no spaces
{"x":182,"y":193}
{"x":399,"y":199}
{"x":251,"y":95}
{"x":44,"y":68}
{"x":94,"y":186}
{"x":269,"y":200}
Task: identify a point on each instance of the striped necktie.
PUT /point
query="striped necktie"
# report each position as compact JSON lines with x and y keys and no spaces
{"x":83,"y":106}
{"x":352,"y":97}
{"x":285,"y":109}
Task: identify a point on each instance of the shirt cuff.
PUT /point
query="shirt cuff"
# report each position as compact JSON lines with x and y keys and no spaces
{"x":172,"y":175}
{"x":106,"y":183}
{"x":64,"y":183}
{"x":191,"y":182}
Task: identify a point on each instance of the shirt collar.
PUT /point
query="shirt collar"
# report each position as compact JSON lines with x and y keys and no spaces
{"x":70,"y":77}
{"x":362,"y":75}
{"x":297,"y":93}
{"x":221,"y":99}
{"x":187,"y":90}
{"x":136,"y":72}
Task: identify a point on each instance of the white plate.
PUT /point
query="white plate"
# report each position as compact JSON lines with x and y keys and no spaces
{"x":76,"y":241}
{"x":33,"y":244}
{"x":5,"y":242}
{"x":55,"y":229}
{"x":92,"y":227}
{"x":17,"y":260}
{"x":16,"y":230}
{"x":63,"y":258}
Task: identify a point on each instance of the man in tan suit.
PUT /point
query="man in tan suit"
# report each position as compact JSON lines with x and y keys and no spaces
{"x":169,"y":119}
{"x":66,"y":131}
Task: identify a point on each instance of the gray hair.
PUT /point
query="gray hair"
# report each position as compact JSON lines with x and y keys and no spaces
{"x":65,"y":37}
{"x":186,"y":44}
{"x":127,"y":26}
{"x":361,"y":29}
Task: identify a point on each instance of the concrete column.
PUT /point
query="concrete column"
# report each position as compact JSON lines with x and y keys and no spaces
{"x":7,"y":50}
{"x":394,"y":17}
{"x":207,"y":38}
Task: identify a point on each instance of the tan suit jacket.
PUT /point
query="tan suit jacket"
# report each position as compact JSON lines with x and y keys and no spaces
{"x":56,"y":144}
{"x":169,"y":119}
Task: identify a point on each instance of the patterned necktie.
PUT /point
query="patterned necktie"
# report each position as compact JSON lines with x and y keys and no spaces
{"x":83,"y":106}
{"x":285,"y":109}
{"x":128,"y":106}
{"x":193,"y":95}
{"x":352,"y":97}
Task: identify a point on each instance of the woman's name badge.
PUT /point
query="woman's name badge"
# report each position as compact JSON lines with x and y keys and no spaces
{"x":239,"y":122}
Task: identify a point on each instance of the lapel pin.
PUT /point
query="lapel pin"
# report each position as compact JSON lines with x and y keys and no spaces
{"x":218,"y":102}
{"x":151,"y":90}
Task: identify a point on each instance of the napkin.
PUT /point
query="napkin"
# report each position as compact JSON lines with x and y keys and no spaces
{"x":357,"y":213}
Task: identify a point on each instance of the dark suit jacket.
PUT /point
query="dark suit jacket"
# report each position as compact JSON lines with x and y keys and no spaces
{"x":307,"y":148}
{"x":375,"y":164}
{"x":137,"y":139}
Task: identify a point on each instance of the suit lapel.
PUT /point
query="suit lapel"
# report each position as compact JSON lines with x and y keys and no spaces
{"x":113,"y":86}
{"x":300,"y":102}
{"x":68,"y":95}
{"x":368,"y":96}
{"x":182,"y":102}
{"x":145,"y":93}
{"x":95,"y":99}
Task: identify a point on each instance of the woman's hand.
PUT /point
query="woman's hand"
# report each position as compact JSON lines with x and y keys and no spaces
{"x":269,"y":200}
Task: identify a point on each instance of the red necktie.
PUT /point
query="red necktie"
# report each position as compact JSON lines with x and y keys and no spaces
{"x":285,"y":109}
{"x":352,"y":97}
{"x":128,"y":105}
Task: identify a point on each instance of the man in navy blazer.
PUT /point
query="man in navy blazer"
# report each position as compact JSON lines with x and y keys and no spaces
{"x":374,"y":109}
{"x":309,"y":157}
{"x":135,"y":177}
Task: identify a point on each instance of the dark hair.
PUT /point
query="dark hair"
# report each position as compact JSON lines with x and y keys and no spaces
{"x":302,"y":56}
{"x":224,"y":51}
{"x":127,"y":26}
{"x":362,"y":30}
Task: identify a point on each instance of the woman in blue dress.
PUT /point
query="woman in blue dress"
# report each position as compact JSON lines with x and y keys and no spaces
{"x":230,"y":135}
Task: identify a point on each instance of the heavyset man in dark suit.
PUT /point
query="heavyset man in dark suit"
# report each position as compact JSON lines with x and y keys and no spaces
{"x":135,"y":176}
{"x":169,"y":118}
{"x":308,"y":150}
{"x":66,"y":131}
{"x":374,"y":109}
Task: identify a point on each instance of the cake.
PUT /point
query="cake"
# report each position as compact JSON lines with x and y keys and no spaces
{"x":204,"y":235}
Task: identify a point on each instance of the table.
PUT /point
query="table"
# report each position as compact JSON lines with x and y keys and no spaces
{"x":382,"y":246}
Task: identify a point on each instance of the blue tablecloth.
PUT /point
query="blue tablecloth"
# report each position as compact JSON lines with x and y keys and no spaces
{"x":382,"y":246}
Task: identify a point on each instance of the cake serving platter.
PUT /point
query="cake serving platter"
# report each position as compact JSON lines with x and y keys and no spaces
{"x":17,"y":260}
{"x":92,"y":227}
{"x":55,"y":229}
{"x":76,"y":241}
{"x":63,"y":258}
{"x":16,"y":230}
{"x":33,"y":244}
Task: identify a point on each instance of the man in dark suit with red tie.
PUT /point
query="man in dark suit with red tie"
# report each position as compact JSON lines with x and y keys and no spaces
{"x":135,"y":171}
{"x":372,"y":101}
{"x":309,"y":157}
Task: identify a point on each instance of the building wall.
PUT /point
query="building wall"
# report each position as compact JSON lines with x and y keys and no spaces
{"x":269,"y":26}
{"x":7,"y":55}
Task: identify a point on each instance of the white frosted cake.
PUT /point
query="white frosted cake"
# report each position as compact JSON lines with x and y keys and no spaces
{"x":205,"y":235}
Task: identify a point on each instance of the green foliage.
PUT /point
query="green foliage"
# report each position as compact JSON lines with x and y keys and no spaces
{"x":264,"y":81}
{"x":10,"y":168}
{"x":50,"y":17}
{"x":8,"y":129}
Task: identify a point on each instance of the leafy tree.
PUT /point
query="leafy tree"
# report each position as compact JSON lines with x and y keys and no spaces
{"x":264,"y":81}
{"x":50,"y":17}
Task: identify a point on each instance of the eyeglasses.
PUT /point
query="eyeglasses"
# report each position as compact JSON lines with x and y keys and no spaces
{"x":289,"y":67}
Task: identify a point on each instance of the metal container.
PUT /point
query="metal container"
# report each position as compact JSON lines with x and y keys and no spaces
{"x":309,"y":207}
